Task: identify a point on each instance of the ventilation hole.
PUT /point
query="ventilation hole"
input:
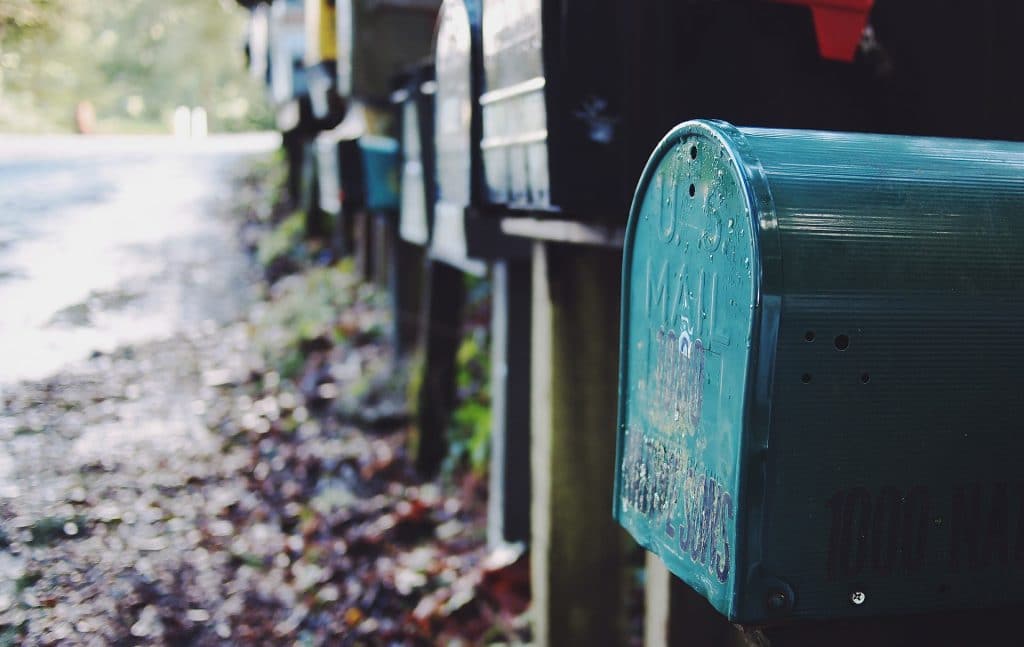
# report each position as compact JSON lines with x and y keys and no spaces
{"x":809,"y":335}
{"x":842,"y":342}
{"x":864,"y":378}
{"x":693,"y":152}
{"x":806,"y":378}
{"x":693,"y":190}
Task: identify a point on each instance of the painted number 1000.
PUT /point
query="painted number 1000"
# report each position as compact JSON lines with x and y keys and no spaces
{"x":883,"y":533}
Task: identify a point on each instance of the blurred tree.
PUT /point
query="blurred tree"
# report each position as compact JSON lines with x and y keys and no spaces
{"x":133,"y":60}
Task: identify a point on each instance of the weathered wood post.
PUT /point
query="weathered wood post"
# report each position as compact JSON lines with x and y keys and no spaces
{"x":508,"y":514}
{"x":577,"y":550}
{"x":442,"y":329}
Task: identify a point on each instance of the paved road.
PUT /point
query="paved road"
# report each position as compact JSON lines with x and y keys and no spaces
{"x":110,"y":240}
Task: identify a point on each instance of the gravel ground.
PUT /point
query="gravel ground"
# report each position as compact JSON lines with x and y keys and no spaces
{"x":180,"y":491}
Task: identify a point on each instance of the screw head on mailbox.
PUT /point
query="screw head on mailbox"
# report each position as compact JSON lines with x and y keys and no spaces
{"x":819,"y":360}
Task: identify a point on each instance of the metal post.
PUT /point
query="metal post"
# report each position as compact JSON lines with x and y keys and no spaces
{"x":442,"y":330}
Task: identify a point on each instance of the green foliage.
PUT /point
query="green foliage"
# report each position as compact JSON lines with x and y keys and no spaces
{"x":304,"y":308}
{"x":284,"y":240}
{"x":134,"y":60}
{"x":470,"y":434}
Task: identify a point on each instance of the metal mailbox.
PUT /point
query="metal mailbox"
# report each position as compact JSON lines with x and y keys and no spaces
{"x":287,"y":50}
{"x":553,"y":77}
{"x":820,"y":377}
{"x":321,"y":58}
{"x":457,"y":131}
{"x":340,"y":165}
{"x":415,"y":102}
{"x":381,"y":172}
{"x":578,"y":92}
{"x":377,"y":38}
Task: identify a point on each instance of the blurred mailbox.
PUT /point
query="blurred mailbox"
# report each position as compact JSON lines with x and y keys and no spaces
{"x":287,"y":31}
{"x":378,"y":37}
{"x":321,"y":62}
{"x":415,"y":102}
{"x":551,"y":119}
{"x":820,"y":372}
{"x":381,"y":169}
{"x":457,"y":131}
{"x":340,"y":165}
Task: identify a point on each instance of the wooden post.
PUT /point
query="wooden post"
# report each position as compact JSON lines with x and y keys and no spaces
{"x":362,"y":230}
{"x":577,"y":551}
{"x":292,"y":142}
{"x":382,"y":256}
{"x":442,"y":330}
{"x":508,"y":511}
{"x":676,"y":616}
{"x":406,"y":294}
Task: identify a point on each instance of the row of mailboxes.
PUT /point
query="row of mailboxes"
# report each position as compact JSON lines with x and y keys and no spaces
{"x":820,"y":371}
{"x":571,"y":95}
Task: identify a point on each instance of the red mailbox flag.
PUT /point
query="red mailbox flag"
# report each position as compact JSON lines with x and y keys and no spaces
{"x":838,"y":24}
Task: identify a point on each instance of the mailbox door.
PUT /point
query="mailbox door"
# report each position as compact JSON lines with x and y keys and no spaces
{"x":457,"y":131}
{"x":689,"y":305}
{"x":414,"y":226}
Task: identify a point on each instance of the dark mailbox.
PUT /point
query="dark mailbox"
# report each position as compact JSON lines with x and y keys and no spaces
{"x":820,"y":383}
{"x":376,"y":38}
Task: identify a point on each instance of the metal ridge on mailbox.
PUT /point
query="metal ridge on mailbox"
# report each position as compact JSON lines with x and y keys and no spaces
{"x":820,"y":378}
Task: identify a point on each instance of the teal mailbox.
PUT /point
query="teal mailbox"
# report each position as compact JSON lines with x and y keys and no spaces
{"x":822,"y":371}
{"x":382,"y":171}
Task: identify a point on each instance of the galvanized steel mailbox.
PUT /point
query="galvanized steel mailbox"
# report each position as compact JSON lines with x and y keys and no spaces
{"x":822,"y":371}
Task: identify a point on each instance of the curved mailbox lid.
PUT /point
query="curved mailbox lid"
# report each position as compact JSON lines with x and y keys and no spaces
{"x":855,"y":394}
{"x":456,"y":130}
